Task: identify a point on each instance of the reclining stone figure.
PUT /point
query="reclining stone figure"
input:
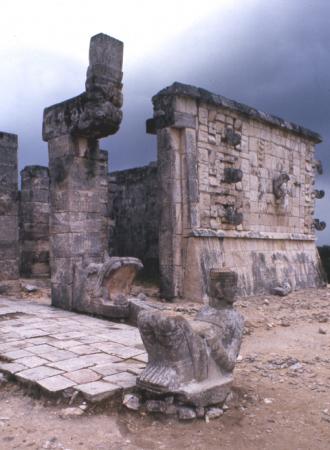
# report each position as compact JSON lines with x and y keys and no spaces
{"x":194,"y":359}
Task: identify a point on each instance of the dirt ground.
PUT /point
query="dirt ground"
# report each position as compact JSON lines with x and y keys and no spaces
{"x":281,"y":397}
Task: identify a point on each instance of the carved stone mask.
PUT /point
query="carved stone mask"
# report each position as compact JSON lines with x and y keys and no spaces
{"x":223,"y":287}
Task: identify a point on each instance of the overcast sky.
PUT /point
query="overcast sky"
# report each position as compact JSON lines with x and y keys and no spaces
{"x":273,"y":55}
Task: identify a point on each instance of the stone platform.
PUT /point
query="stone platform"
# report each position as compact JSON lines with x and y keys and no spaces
{"x":61,"y":352}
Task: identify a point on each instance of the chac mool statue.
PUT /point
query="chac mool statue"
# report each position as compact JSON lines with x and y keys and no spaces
{"x":194,"y":358}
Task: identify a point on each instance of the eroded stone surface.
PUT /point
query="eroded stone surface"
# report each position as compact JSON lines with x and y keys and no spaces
{"x":59,"y":368}
{"x":96,"y":112}
{"x":34,"y":222}
{"x":9,"y":252}
{"x":194,"y":360}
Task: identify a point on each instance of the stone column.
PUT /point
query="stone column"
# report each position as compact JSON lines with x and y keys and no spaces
{"x":34,"y":222}
{"x":174,"y":123}
{"x":9,"y":259}
{"x":77,"y":167}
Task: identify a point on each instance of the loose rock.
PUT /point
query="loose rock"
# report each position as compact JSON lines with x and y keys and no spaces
{"x":132,"y":401}
{"x":214,"y":413}
{"x":155,"y":406}
{"x":69,"y":412}
{"x":200,"y":412}
{"x":185,"y":413}
{"x":29,"y":288}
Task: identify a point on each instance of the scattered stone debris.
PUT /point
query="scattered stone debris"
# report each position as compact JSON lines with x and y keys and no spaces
{"x":155,"y":406}
{"x":71,"y":411}
{"x":185,"y":413}
{"x":132,"y":401}
{"x":322,"y":331}
{"x":214,"y":413}
{"x":29,"y":288}
{"x":283,"y":290}
{"x":143,"y":297}
{"x":282,"y":363}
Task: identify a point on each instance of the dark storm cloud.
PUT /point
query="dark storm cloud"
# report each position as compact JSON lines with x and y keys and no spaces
{"x":272,"y":55}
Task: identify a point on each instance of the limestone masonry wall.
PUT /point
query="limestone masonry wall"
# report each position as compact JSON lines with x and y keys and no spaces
{"x":236,"y":190}
{"x":134,"y":214}
{"x":9,"y":251}
{"x":34,"y":222}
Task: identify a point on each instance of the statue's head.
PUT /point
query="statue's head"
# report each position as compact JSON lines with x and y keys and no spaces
{"x":223,"y":287}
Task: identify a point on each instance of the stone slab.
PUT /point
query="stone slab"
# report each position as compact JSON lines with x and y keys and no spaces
{"x":11,"y":368}
{"x":70,"y":365}
{"x":73,"y":358}
{"x":98,"y":390}
{"x":83,"y":376}
{"x":16,"y":354}
{"x":58,"y":355}
{"x":40,"y":349}
{"x":37,"y":373}
{"x":106,"y":369}
{"x":56,"y":384}
{"x":123,"y":379}
{"x":31,"y":361}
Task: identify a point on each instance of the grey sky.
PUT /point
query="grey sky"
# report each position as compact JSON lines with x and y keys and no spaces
{"x":273,"y":55}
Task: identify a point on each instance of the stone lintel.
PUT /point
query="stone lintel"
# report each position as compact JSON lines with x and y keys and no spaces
{"x":220,"y":234}
{"x":202,"y":95}
{"x":173,"y":119}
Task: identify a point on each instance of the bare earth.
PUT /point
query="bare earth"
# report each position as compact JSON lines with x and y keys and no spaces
{"x":281,"y":397}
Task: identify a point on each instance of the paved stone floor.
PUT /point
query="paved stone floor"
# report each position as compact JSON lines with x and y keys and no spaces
{"x":61,"y":351}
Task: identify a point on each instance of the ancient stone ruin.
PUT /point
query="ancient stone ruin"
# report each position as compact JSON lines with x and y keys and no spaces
{"x":34,"y":222}
{"x":9,"y":244}
{"x":228,"y":208}
{"x":77,"y":167}
{"x":236,"y":189}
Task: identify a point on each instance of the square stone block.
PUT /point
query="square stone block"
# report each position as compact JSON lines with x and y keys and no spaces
{"x":58,"y":355}
{"x":56,"y":384}
{"x":83,"y":376}
{"x":31,"y":361}
{"x":11,"y":368}
{"x":123,"y":379}
{"x":39,"y":349}
{"x":106,"y":369}
{"x":98,"y":390}
{"x":70,"y":365}
{"x":16,"y":354}
{"x":37,"y":373}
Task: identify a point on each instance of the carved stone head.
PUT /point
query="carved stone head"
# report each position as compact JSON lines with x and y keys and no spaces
{"x":223,"y":287}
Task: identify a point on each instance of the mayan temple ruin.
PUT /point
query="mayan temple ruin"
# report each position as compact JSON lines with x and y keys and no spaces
{"x":225,"y":212}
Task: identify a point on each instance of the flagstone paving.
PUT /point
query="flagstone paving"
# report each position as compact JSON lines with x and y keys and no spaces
{"x":62,"y":351}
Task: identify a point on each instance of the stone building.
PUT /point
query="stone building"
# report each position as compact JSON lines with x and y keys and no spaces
{"x":34,"y":222}
{"x":236,"y":191}
{"x":134,"y":215}
{"x":9,"y":247}
{"x":233,"y":188}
